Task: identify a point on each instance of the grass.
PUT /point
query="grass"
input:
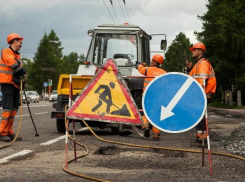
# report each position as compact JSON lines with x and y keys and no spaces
{"x":220,"y":105}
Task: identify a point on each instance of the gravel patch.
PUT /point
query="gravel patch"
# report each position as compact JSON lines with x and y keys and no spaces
{"x":235,"y":143}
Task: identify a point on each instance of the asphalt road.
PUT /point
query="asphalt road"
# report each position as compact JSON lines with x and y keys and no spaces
{"x":41,"y":158}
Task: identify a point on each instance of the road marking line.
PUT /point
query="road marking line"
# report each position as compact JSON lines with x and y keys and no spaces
{"x":23,"y":152}
{"x":42,"y":113}
{"x":22,"y":115}
{"x":29,"y":114}
{"x":60,"y":138}
{"x":83,"y":129}
{"x":53,"y":140}
{"x":35,"y":105}
{"x":30,"y":106}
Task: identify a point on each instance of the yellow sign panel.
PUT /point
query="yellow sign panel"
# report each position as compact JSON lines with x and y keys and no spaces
{"x":106,"y":98}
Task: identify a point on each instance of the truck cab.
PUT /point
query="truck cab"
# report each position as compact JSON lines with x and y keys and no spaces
{"x":127,"y":45}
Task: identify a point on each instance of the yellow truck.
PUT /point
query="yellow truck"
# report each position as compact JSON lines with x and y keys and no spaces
{"x":127,"y":45}
{"x":79,"y":82}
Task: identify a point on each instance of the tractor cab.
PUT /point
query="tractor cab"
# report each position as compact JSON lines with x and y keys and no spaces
{"x":126,"y":44}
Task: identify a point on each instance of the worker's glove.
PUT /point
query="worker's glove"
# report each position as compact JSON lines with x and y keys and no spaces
{"x":137,"y":64}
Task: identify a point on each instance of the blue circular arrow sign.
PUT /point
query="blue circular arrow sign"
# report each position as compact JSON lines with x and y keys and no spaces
{"x":174,"y":102}
{"x":45,"y":84}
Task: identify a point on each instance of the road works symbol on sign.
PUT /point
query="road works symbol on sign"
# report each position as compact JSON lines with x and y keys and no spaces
{"x":106,"y":98}
{"x":174,"y":102}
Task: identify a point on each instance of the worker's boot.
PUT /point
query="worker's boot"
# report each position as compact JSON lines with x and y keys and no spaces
{"x":145,"y":127}
{"x":13,"y":136}
{"x":156,"y":133}
{"x":156,"y":139}
{"x":147,"y":132}
{"x":5,"y":138}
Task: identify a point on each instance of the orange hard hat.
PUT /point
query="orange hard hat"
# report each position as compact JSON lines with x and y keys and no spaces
{"x":198,"y":46}
{"x":13,"y":36}
{"x":158,"y":58}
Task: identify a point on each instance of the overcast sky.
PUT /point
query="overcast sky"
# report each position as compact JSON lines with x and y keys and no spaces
{"x":72,"y":19}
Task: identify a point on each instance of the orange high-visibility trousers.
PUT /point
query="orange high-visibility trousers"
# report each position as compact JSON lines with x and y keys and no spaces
{"x":5,"y":124}
{"x":156,"y":132}
{"x":145,"y":124}
{"x":11,"y":122}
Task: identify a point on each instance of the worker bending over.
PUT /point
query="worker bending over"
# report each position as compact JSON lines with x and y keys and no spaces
{"x":153,"y":70}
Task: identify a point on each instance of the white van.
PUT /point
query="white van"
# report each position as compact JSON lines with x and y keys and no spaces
{"x":34,"y":96}
{"x":53,"y":96}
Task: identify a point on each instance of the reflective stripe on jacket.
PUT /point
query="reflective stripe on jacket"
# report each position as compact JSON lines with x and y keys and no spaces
{"x":10,"y":67}
{"x":204,"y":68}
{"x":150,"y":71}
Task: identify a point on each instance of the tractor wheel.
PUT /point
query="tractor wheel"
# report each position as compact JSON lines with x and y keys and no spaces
{"x":116,"y":130}
{"x":60,"y":125}
{"x":137,"y":95}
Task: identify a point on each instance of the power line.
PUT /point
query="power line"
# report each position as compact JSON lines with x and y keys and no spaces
{"x":36,"y":35}
{"x":109,"y":12}
{"x":126,"y":10}
{"x":114,"y":11}
{"x":18,"y":30}
{"x":122,"y":10}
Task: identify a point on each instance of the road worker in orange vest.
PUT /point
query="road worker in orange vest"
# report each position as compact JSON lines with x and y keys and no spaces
{"x":203,"y":68}
{"x":153,"y":70}
{"x":11,"y":72}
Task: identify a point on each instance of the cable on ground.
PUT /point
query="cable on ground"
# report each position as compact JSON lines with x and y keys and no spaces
{"x":131,"y":145}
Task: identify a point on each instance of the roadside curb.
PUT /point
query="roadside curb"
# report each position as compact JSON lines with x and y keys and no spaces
{"x":237,"y":113}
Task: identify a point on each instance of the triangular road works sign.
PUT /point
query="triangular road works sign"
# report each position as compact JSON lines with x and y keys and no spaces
{"x":106,"y":98}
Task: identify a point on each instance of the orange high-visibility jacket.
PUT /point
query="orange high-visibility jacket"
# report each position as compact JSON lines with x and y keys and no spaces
{"x":203,"y":68}
{"x":10,"y":65}
{"x":150,"y":71}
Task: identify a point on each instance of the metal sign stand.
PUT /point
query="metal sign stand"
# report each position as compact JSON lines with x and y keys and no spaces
{"x":67,"y":126}
{"x":183,"y":92}
{"x":45,"y":84}
{"x":205,"y":121}
{"x":73,"y":122}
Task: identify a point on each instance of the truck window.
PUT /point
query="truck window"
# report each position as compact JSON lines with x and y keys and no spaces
{"x":123,"y":48}
{"x":145,"y":51}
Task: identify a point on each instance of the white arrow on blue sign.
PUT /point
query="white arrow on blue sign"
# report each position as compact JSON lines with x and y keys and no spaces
{"x":174,"y":102}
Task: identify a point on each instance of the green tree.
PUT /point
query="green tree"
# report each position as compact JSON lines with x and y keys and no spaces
{"x":69,"y":64}
{"x":27,"y":65}
{"x":223,"y":35}
{"x":47,"y":57}
{"x":177,"y":53}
